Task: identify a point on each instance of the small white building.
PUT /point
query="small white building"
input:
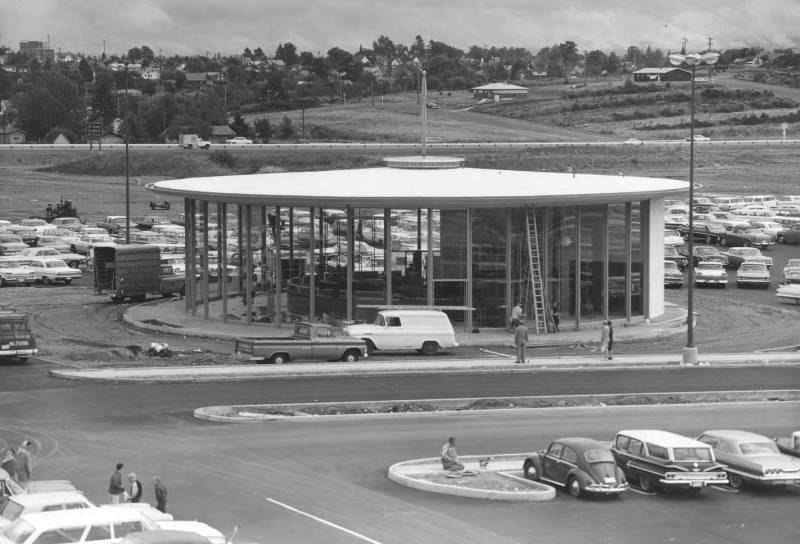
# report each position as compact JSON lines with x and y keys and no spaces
{"x":499,"y":91}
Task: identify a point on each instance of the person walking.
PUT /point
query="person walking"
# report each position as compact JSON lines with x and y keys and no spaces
{"x":24,"y":462}
{"x":9,"y":464}
{"x":610,"y":338}
{"x":556,"y":316}
{"x":521,"y":341}
{"x":161,"y":494}
{"x":604,"y":339}
{"x":135,"y":494}
{"x":516,"y":316}
{"x":115,"y":487}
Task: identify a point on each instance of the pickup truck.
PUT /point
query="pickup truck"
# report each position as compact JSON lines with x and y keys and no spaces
{"x":309,"y":341}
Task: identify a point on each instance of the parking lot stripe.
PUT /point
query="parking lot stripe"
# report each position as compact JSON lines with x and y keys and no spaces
{"x":324,"y":522}
{"x":724,"y":489}
{"x":640,"y":492}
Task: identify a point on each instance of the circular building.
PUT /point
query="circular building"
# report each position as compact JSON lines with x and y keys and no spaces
{"x":426,"y":231}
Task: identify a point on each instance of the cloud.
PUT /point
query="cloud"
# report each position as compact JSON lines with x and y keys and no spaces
{"x":196,"y":26}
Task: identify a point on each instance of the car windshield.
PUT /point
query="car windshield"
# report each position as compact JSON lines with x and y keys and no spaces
{"x":692,"y":454}
{"x":705,"y":251}
{"x":11,"y":511}
{"x":56,"y":264}
{"x":792,"y":263}
{"x":709,"y":266}
{"x":670,"y":233}
{"x":670,"y":251}
{"x":599,"y":456}
{"x":669,"y":265}
{"x":17,"y":532}
{"x":753,"y":267}
{"x":758,"y":448}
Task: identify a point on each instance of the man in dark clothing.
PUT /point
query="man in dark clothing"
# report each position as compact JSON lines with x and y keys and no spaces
{"x":521,"y":341}
{"x":135,"y":494}
{"x":161,"y":494}
{"x":115,"y":487}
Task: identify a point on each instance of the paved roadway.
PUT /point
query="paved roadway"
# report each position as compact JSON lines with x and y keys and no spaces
{"x":335,"y":470}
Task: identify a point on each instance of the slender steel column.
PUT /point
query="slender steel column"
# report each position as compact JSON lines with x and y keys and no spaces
{"x":204,"y":211}
{"x":350,"y":261}
{"x":387,"y":253}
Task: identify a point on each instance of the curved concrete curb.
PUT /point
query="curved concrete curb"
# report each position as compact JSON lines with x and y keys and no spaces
{"x":455,"y":407}
{"x":412,"y":474}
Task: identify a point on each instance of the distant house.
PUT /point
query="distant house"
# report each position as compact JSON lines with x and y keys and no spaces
{"x":198,"y":79}
{"x":9,"y":134}
{"x":658,"y":75}
{"x":499,"y":91}
{"x":220,"y":133}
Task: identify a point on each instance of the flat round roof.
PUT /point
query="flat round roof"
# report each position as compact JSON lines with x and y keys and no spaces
{"x":385,"y":187}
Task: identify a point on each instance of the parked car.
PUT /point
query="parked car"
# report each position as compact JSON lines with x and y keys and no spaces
{"x":164,"y":536}
{"x":672,"y":275}
{"x":725,"y":219}
{"x":239,"y":140}
{"x":710,"y":233}
{"x":148,"y":221}
{"x":16,"y":272}
{"x":10,"y":488}
{"x":81,"y":525}
{"x":708,"y":253}
{"x":790,"y":235}
{"x":426,"y":331}
{"x":673,"y":238}
{"x":48,"y":270}
{"x":710,"y":273}
{"x":789,"y":292}
{"x":661,"y":459}
{"x":87,"y":242}
{"x":751,"y":458}
{"x":741,"y":235}
{"x":791,"y":272}
{"x":753,"y":274}
{"x":772,"y":228}
{"x":39,"y":225}
{"x":580,"y":465}
{"x":698,"y":138}
{"x":11,"y":244}
{"x":41,"y":502}
{"x":27,"y":234}
{"x":673,"y":255}
{"x":737,"y":255}
{"x":73,"y":260}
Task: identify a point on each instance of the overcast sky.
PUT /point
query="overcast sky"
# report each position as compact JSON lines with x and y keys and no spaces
{"x":228,"y":26}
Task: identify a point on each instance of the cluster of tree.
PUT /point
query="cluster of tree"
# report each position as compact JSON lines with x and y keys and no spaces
{"x":55,"y":95}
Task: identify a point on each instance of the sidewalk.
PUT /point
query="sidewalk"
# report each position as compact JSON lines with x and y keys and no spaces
{"x":169,"y":316}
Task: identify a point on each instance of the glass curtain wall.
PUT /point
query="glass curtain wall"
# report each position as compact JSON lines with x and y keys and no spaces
{"x":592,"y":255}
{"x":450,"y":265}
{"x":561,"y":238}
{"x":489,"y":265}
{"x":617,"y":258}
{"x":637,"y":303}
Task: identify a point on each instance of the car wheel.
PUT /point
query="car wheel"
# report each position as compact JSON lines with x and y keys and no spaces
{"x":529,"y":471}
{"x":67,"y":281}
{"x":708,"y":239}
{"x":371,"y":349}
{"x":723,"y":242}
{"x":73,"y":264}
{"x":735,"y":480}
{"x":45,"y":280}
{"x":73,"y":249}
{"x":575,"y":488}
{"x":646,"y":483}
{"x":430,"y":348}
{"x":278,"y":359}
{"x":350,"y":356}
{"x":23,"y":359}
{"x":781,"y":239}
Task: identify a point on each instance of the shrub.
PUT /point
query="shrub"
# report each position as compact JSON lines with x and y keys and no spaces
{"x":223,"y":158}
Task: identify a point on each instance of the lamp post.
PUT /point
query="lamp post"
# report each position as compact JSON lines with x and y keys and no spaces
{"x":692,"y":60}
{"x":125,"y":67}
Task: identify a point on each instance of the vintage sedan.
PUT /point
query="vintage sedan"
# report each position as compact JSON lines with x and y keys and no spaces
{"x":87,"y":242}
{"x":19,"y":505}
{"x":791,"y":272}
{"x":790,"y":235}
{"x":48,"y":270}
{"x":710,"y":273}
{"x":741,"y":235}
{"x":751,"y":458}
{"x":738,"y":255}
{"x":770,"y":227}
{"x":27,"y":234}
{"x":672,"y":254}
{"x":10,"y":488}
{"x":661,"y":459}
{"x":15,"y":272}
{"x":72,"y":259}
{"x":790,"y":292}
{"x":710,"y":233}
{"x":580,"y":465}
{"x":708,"y":253}
{"x":673,"y":238}
{"x":752,"y":274}
{"x":672,"y":275}
{"x":11,"y":244}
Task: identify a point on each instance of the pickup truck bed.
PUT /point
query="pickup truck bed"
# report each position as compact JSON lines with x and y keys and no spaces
{"x":310,"y":341}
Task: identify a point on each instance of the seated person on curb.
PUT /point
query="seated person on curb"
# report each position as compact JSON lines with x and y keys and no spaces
{"x":450,"y":456}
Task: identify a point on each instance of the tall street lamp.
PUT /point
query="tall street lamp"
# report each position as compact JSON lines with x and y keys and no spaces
{"x":692,"y":60}
{"x":126,"y":67}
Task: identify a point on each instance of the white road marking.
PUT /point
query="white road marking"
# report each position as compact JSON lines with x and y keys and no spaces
{"x":324,"y":522}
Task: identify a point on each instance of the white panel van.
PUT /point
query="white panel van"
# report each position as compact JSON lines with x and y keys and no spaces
{"x":426,"y":331}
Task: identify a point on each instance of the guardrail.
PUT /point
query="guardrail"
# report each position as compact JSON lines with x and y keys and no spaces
{"x":412,"y":146}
